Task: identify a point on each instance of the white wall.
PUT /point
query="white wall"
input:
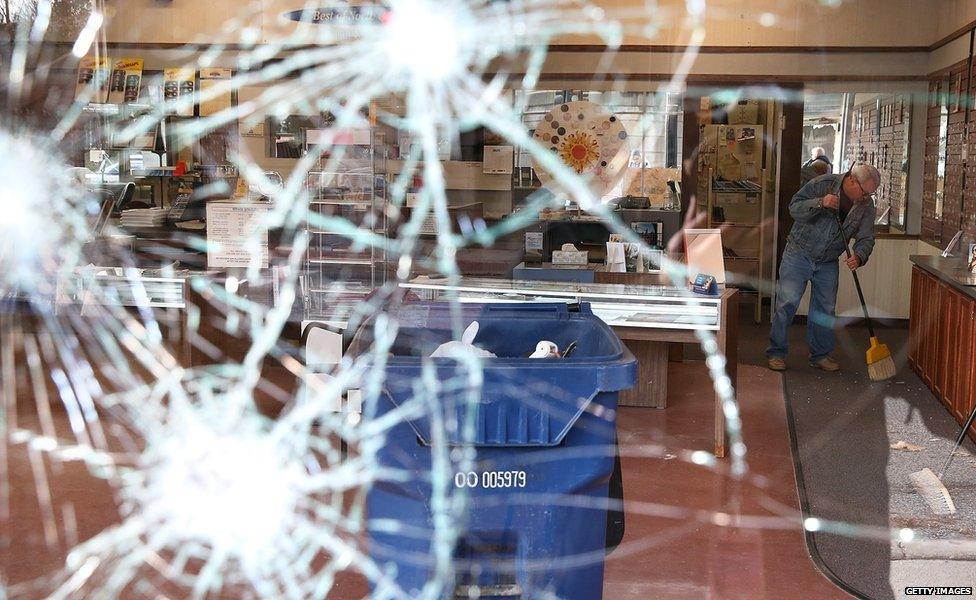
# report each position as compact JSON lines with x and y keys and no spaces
{"x":948,"y":55}
{"x":886,"y":281}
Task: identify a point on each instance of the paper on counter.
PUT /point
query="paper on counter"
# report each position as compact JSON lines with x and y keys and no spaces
{"x":230,"y":234}
{"x":616,"y":257}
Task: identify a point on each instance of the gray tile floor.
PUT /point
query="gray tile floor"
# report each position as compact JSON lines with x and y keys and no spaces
{"x":846,"y":425}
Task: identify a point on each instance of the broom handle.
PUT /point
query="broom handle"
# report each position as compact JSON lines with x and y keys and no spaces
{"x":959,"y":439}
{"x":857,"y":282}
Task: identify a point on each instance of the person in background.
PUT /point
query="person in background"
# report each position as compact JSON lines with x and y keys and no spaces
{"x":812,"y":170}
{"x":818,"y":154}
{"x":812,"y":250}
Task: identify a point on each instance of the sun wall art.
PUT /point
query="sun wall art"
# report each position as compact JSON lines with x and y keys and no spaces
{"x":588,"y":139}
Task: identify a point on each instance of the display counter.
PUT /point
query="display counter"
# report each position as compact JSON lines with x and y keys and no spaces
{"x":164,"y":295}
{"x":646,"y":317}
{"x":117,"y":286}
{"x":942,"y":332}
{"x":644,"y":306}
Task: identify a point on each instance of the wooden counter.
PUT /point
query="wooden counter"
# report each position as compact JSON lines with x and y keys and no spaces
{"x":942,"y":334}
{"x":650,"y":347}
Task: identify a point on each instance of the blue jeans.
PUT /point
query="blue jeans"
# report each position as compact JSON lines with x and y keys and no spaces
{"x":794,"y":272}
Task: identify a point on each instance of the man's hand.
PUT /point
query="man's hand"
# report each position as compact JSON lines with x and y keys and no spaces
{"x":853,"y":262}
{"x":831,"y":201}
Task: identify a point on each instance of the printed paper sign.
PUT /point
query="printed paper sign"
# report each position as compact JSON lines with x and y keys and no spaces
{"x":230,"y":242}
{"x":534,"y":240}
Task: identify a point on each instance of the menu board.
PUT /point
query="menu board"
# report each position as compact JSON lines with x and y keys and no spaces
{"x":230,"y":229}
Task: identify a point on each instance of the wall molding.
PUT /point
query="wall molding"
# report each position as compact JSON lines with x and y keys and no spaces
{"x":678,"y":49}
{"x":563,"y":48}
{"x":955,"y":35}
{"x":704,"y":78}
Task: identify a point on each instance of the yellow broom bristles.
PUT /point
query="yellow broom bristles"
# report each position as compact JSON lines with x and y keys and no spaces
{"x":880,"y":364}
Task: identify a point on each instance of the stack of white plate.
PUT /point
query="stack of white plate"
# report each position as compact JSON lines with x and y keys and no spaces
{"x":144,"y":217}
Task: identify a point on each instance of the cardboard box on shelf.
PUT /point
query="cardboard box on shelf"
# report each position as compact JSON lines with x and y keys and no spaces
{"x":498,"y":160}
{"x":739,"y":207}
{"x":742,"y":241}
{"x":213,"y":101}
{"x":652,"y":182}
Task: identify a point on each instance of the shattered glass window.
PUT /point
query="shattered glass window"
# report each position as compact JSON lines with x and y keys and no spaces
{"x":485,"y":299}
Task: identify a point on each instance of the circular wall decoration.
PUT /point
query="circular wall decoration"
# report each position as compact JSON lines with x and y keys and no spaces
{"x":586,"y":138}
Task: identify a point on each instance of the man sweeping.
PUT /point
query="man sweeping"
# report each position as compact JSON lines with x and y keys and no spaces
{"x":812,"y":251}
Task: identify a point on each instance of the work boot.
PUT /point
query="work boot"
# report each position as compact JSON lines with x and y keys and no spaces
{"x":776,"y":363}
{"x":826,"y":364}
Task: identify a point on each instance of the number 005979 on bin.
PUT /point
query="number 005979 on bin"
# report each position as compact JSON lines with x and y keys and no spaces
{"x":490,"y":479}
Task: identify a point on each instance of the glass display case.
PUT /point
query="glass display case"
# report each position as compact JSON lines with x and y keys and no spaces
{"x":643,"y":306}
{"x":115,"y":286}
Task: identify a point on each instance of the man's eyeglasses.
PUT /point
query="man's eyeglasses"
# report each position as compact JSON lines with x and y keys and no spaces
{"x":864,"y":194}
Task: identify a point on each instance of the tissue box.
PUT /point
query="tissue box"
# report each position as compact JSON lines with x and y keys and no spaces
{"x":569,"y":257}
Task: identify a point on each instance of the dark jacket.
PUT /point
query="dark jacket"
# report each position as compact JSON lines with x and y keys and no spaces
{"x":830,"y":165}
{"x":814,"y":231}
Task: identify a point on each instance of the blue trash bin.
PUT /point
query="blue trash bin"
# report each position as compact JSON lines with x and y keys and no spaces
{"x":544,"y":434}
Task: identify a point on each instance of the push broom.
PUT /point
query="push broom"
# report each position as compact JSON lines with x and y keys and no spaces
{"x":930,"y":486}
{"x":878,"y":357}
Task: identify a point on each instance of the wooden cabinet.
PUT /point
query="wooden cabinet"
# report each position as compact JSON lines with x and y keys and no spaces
{"x":927,"y":321}
{"x":940,"y":346}
{"x":952,"y":305}
{"x":965,"y":361}
{"x":942,"y":343}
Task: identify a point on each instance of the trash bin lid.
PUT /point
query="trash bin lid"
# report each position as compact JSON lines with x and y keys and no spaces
{"x":522,"y":401}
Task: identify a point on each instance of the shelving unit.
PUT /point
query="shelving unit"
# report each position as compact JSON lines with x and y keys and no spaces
{"x":744,"y":243}
{"x":735,"y":195}
{"x":341,"y":271}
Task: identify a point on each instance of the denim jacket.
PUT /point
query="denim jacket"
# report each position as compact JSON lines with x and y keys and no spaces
{"x":814,"y":232}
